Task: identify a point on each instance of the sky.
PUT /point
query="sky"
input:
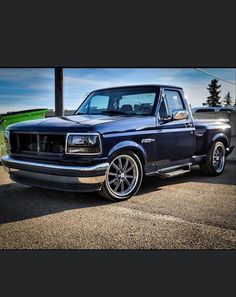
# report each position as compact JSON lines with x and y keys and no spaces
{"x":27,"y":88}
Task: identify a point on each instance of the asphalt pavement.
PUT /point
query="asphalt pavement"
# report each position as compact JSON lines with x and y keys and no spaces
{"x":190,"y":211}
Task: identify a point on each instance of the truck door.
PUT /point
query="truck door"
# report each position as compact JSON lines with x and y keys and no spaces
{"x":175,"y":138}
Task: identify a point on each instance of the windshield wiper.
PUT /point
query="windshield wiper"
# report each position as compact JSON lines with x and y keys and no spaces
{"x":116,"y":112}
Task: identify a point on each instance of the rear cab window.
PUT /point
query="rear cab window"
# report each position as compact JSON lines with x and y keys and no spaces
{"x":138,"y":103}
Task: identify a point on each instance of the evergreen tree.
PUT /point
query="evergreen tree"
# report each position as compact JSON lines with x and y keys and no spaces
{"x":228,"y":99}
{"x":214,"y":98}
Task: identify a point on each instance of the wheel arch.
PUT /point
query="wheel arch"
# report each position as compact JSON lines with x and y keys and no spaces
{"x":129,"y":146}
{"x":222,"y":138}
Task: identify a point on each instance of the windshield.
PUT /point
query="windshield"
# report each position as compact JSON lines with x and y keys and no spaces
{"x":126,"y":101}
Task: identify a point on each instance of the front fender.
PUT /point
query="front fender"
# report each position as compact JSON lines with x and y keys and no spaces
{"x":221,"y":136}
{"x":126,"y":145}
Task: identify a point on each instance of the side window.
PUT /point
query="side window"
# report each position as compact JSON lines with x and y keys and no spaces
{"x":173,"y":101}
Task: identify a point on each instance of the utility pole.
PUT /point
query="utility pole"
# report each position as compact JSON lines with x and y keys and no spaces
{"x":59,"y":110}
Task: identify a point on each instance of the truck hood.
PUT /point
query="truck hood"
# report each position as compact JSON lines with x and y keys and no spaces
{"x":87,"y":123}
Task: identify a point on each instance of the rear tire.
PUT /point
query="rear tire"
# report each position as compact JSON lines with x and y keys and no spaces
{"x":123,"y":178}
{"x":215,"y":160}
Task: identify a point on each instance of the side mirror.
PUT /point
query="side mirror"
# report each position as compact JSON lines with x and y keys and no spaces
{"x":180,"y":115}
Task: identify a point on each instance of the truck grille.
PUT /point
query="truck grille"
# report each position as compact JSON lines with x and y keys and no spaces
{"x":37,"y":143}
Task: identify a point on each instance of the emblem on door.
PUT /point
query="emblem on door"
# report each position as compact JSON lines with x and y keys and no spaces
{"x":147,"y":140}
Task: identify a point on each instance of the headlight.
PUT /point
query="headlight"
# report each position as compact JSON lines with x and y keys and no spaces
{"x":83,"y":144}
{"x":7,"y":135}
{"x":7,"y":139}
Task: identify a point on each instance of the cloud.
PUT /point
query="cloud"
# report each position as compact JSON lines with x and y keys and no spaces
{"x":194,"y":83}
{"x":25,"y":74}
{"x":34,"y":87}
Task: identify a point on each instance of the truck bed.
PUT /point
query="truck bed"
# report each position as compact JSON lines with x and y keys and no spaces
{"x":205,"y":131}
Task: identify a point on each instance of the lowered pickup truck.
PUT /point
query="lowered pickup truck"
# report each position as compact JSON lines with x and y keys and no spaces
{"x":116,"y":136}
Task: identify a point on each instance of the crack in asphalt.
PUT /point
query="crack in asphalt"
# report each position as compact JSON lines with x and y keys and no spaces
{"x":152,"y":216}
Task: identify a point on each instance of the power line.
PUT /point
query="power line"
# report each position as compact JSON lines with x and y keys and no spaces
{"x":230,"y":82}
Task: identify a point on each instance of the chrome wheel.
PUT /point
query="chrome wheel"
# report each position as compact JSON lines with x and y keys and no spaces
{"x":122,"y":176}
{"x":219,"y":158}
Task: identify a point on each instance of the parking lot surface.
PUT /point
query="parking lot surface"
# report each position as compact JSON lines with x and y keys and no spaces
{"x":190,"y":211}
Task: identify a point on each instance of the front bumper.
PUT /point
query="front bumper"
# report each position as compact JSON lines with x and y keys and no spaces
{"x":54,"y":176}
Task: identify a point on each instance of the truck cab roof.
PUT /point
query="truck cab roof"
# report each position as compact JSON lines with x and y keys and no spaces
{"x":141,"y":86}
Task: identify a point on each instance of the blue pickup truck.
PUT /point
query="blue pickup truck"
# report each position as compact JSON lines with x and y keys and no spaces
{"x":114,"y":138}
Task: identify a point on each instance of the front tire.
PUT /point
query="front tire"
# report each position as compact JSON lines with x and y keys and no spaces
{"x":215,"y":160}
{"x":123,"y":178}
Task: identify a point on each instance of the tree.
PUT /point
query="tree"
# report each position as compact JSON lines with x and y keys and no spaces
{"x":214,"y":98}
{"x":228,"y":99}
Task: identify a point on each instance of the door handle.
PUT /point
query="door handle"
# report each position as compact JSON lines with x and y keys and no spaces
{"x":188,"y":125}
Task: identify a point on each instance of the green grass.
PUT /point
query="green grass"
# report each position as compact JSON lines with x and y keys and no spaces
{"x":3,"y":149}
